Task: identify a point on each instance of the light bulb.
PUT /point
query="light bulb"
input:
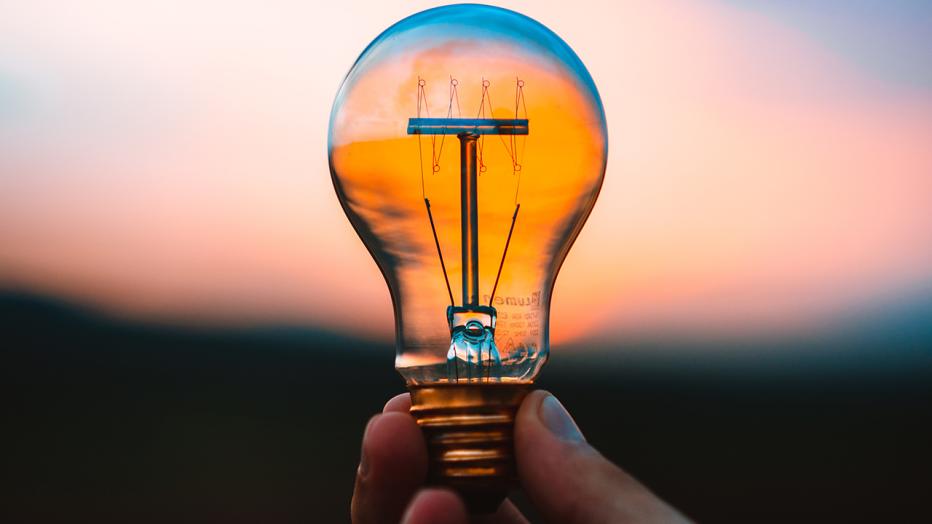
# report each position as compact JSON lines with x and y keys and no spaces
{"x":467,"y":146}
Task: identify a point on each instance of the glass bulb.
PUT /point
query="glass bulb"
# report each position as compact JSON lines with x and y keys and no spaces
{"x":467,"y":146}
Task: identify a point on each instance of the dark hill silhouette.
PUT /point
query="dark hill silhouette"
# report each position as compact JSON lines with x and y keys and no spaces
{"x":109,"y":420}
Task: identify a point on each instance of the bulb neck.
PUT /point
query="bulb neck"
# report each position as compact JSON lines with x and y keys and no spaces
{"x":469,"y":429}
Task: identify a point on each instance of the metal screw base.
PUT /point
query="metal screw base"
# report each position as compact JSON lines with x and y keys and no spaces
{"x":469,"y":431}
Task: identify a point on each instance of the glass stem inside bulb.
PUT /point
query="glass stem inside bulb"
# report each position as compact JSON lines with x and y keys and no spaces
{"x":469,"y":209}
{"x":472,"y":329}
{"x":473,"y":355}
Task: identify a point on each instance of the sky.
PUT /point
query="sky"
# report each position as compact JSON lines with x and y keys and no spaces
{"x":769,"y":164}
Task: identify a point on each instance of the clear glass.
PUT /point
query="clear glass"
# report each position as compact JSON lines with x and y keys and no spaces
{"x":403,"y":188}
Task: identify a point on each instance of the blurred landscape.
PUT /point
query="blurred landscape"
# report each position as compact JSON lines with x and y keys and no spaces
{"x":190,"y":330}
{"x":112,"y":420}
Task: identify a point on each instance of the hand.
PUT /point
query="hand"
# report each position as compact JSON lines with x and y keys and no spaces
{"x":566,"y":478}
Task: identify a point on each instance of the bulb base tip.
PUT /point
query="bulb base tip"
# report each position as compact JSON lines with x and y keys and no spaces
{"x":469,"y":429}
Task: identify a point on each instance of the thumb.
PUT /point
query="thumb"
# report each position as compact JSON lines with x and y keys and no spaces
{"x":568,"y":480}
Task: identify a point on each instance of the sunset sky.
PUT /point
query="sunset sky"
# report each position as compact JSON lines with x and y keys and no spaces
{"x":770,"y":163}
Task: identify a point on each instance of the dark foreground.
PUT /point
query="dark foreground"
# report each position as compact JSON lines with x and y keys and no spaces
{"x":108,"y":421}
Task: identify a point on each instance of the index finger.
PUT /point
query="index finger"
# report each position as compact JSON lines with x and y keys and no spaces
{"x":392,"y":467}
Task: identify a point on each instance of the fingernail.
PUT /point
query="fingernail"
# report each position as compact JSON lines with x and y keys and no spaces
{"x":363,"y":461}
{"x":558,"y":420}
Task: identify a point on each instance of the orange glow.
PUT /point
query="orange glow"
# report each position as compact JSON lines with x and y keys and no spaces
{"x":759,"y":179}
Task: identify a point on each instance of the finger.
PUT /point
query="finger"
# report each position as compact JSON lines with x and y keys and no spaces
{"x":400,"y":403}
{"x":568,"y":480}
{"x":393,"y":465}
{"x":436,"y":506}
{"x":507,"y":514}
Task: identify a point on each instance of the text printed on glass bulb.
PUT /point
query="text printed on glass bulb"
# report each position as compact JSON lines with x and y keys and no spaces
{"x":521,"y":323}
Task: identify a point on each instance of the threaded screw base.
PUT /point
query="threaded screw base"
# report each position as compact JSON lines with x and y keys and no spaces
{"x":469,"y":429}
